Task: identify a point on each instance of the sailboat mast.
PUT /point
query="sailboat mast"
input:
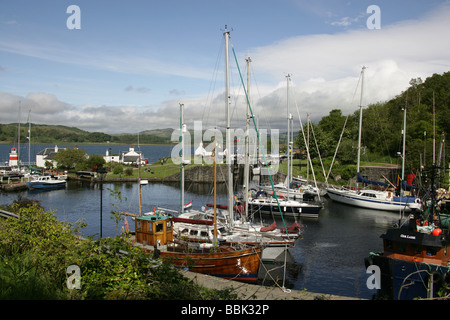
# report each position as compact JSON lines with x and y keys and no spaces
{"x":228,"y":127}
{"x":360,"y":124}
{"x":182,"y":157}
{"x":404,"y":141}
{"x":288,"y":77}
{"x":29,"y":138}
{"x":139,"y":179}
{"x":247,"y":138}
{"x":215,"y":192}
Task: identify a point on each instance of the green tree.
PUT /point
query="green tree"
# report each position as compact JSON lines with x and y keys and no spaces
{"x":94,"y":161}
{"x":68,"y":159}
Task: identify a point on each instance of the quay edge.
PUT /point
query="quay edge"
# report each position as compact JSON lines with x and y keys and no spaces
{"x":247,"y":291}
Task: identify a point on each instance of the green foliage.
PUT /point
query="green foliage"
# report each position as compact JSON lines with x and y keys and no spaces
{"x":383,"y":125}
{"x":51,"y":134}
{"x":118,"y":170}
{"x":68,"y":159}
{"x":37,"y":249}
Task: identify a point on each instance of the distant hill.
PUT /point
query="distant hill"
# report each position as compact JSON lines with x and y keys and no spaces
{"x":57,"y":134}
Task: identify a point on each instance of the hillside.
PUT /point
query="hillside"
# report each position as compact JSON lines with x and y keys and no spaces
{"x":57,"y":134}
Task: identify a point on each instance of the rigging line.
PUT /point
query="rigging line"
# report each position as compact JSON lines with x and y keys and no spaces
{"x":343,"y":130}
{"x":259,"y":140}
{"x":317,"y":147}
{"x":212,"y":85}
{"x":307,"y":147}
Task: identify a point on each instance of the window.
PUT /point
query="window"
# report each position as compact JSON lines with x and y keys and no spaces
{"x":159,"y":227}
{"x":431,"y":251}
{"x":389,"y":245}
{"x":401,"y":247}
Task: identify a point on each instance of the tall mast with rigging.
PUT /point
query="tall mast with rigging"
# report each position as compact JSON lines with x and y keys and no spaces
{"x":228,"y":127}
{"x":360,"y":125}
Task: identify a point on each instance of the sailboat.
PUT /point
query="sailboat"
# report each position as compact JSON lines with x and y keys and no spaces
{"x":198,"y":226}
{"x":155,"y":233}
{"x":294,"y":207}
{"x":373,"y":199}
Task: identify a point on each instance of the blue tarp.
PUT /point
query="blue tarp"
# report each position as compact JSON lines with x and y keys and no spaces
{"x":360,"y":178}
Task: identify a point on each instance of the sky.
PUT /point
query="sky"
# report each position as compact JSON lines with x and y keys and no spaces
{"x":126,"y":66}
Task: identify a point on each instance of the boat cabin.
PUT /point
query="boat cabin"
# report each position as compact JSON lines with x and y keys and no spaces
{"x":420,"y":245}
{"x":154,"y":229}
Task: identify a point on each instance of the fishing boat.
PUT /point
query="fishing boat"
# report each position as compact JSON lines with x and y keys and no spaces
{"x":415,"y":262}
{"x":154,"y":234}
{"x":386,"y":200}
{"x":46,"y":182}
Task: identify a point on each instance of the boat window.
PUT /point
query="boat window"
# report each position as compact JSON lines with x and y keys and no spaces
{"x":184,"y":231}
{"x":169,"y":224}
{"x":416,"y":249}
{"x":401,"y":247}
{"x":204,"y":234}
{"x":159,"y":227}
{"x":193,"y":232}
{"x":369,"y":195}
{"x":389,"y":245}
{"x":431,"y":251}
{"x":138,"y":225}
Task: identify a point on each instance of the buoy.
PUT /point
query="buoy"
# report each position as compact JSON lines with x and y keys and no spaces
{"x":436,"y":232}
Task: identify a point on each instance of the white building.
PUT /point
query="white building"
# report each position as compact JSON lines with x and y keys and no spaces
{"x":111,"y":158}
{"x":46,"y":155}
{"x":13,"y":157}
{"x":132,"y":157}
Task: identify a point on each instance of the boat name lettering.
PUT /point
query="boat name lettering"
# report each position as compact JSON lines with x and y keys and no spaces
{"x":407,"y":236}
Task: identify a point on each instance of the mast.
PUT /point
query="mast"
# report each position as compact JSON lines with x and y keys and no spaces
{"x":289,"y":116}
{"x":29,"y":138}
{"x":228,"y":127}
{"x":139,"y":180}
{"x":404,"y":143}
{"x":247,"y":138}
{"x":18,"y":139}
{"x":215,"y":193}
{"x":182,"y":157}
{"x":360,"y":124}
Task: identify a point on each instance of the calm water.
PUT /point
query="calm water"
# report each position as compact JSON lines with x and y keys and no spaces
{"x":331,"y":253}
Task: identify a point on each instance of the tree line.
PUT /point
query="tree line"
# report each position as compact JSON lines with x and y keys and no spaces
{"x":427,"y":106}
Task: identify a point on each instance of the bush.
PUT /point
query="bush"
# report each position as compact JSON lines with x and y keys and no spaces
{"x":36,"y":250}
{"x":129,"y":171}
{"x":118,"y":169}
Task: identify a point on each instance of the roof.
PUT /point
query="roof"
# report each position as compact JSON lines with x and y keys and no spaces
{"x":153,"y":217}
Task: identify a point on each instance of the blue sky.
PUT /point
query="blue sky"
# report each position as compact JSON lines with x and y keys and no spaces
{"x":132,"y":62}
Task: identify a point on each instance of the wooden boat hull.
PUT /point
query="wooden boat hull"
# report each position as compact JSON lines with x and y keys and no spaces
{"x":241,"y":265}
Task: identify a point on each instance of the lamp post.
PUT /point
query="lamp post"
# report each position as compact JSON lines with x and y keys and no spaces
{"x":102,"y":173}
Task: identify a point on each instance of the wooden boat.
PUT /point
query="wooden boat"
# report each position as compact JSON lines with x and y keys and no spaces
{"x":154,"y":234}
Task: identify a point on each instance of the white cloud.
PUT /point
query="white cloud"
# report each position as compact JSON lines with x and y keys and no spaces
{"x":325,"y":69}
{"x":393,"y":55}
